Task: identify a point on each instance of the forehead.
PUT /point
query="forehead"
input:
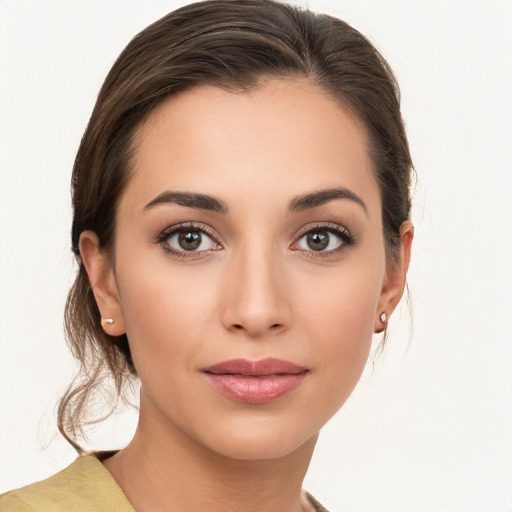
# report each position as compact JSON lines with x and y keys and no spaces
{"x":282,"y":139}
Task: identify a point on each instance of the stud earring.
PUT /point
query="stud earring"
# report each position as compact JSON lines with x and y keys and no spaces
{"x":383,"y":317}
{"x":106,"y":321}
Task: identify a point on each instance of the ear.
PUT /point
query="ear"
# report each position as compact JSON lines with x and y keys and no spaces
{"x":394,"y":282}
{"x":100,"y":271}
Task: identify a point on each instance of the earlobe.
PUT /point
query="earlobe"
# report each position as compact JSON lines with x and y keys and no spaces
{"x":101,"y":275}
{"x":394,"y":283}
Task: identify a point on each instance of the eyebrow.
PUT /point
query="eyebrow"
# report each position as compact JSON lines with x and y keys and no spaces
{"x":191,"y":199}
{"x":320,"y":197}
{"x":297,"y":204}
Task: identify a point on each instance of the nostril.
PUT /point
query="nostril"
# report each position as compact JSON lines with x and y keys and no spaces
{"x":238,"y":326}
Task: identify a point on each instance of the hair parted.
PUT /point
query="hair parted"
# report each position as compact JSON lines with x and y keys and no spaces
{"x":235,"y":45}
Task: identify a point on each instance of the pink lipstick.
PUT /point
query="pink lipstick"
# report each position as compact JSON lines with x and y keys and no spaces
{"x":255,"y":382}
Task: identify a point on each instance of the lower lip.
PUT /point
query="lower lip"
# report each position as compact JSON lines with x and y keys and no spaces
{"x":255,"y":390}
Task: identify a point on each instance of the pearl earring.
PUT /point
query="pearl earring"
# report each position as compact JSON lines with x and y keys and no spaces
{"x":106,"y":321}
{"x":383,"y":317}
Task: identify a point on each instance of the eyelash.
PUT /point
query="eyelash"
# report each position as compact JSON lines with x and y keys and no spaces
{"x":164,"y":236}
{"x":342,"y":233}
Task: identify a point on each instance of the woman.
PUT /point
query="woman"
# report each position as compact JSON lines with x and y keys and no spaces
{"x":241,"y":222}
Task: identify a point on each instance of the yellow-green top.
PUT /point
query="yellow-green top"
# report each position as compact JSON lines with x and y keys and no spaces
{"x":84,"y":486}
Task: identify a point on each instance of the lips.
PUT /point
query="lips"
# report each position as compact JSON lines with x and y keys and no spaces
{"x":255,"y":382}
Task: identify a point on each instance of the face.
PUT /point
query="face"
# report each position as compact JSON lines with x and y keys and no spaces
{"x":249,"y":265}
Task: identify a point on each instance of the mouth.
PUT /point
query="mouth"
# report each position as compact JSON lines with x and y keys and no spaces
{"x":255,"y":382}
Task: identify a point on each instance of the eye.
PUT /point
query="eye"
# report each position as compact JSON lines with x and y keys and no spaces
{"x":324,"y":239}
{"x":190,"y":240}
{"x":319,"y":240}
{"x":186,"y":241}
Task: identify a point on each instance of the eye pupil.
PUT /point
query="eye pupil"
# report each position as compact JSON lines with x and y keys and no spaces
{"x":189,"y":240}
{"x":318,"y":240}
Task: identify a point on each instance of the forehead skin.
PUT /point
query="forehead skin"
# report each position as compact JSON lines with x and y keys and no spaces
{"x":287,"y":137}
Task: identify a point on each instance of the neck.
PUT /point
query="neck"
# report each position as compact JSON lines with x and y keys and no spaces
{"x":164,"y":469}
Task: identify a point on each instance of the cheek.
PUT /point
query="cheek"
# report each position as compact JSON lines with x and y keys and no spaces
{"x":338,"y":318}
{"x":342,"y":303}
{"x":165,"y":313}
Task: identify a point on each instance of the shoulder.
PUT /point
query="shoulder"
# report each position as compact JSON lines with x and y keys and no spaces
{"x":84,"y":485}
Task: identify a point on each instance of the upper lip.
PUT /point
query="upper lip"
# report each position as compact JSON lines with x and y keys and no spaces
{"x":268,"y":366}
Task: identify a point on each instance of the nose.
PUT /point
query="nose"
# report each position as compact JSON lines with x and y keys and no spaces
{"x":255,"y":298}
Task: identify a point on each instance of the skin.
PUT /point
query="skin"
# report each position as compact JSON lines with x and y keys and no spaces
{"x":257,"y":290}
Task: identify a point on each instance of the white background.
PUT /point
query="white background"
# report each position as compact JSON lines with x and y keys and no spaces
{"x":430,"y":429}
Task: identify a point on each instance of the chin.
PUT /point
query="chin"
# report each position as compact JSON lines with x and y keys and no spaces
{"x":259,"y":440}
{"x":260,"y":449}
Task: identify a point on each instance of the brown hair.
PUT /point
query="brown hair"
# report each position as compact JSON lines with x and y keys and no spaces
{"x":232,"y":44}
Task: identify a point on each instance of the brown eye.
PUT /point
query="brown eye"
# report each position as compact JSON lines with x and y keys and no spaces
{"x":324,"y":240}
{"x":189,"y":240}
{"x":317,"y":240}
